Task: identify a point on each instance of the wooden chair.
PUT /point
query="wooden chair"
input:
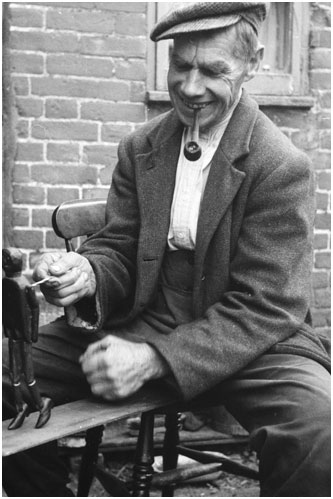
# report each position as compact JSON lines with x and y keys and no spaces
{"x":75,"y":219}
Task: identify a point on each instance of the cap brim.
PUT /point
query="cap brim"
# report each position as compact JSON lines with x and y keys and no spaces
{"x":205,"y":24}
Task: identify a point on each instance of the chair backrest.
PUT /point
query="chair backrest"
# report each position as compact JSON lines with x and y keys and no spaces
{"x":80,"y":217}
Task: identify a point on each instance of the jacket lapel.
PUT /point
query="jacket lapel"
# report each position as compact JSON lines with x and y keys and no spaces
{"x":224,"y":179}
{"x":156,"y":181}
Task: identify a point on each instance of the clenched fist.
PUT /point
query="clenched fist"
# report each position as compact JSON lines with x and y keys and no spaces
{"x":72,"y":278}
{"x":116,"y":368}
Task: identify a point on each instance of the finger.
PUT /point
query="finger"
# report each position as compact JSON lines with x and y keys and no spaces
{"x":42,"y":268}
{"x":94,"y":363}
{"x":105,"y":390}
{"x":71,"y":278}
{"x":67,"y":262}
{"x":98,"y":346}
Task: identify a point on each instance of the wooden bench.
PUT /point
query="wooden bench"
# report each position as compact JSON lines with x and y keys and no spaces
{"x":72,"y":220}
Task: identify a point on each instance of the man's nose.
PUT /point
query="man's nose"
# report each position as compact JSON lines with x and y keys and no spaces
{"x":193,"y":85}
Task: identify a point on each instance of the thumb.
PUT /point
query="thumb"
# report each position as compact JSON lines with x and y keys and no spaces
{"x":65,"y":263}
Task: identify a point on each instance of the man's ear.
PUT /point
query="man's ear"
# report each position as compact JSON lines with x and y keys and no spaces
{"x":254,"y":64}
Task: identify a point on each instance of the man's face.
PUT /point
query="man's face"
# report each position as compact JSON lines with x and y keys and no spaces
{"x":204,"y":74}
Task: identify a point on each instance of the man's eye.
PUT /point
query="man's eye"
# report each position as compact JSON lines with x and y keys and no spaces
{"x":181,"y":66}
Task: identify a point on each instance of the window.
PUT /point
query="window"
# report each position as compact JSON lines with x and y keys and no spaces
{"x":284,"y":68}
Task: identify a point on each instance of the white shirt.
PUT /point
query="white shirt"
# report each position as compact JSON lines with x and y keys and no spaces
{"x":191,"y":179}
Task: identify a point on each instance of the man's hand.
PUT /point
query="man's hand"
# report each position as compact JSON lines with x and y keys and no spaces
{"x":116,"y":368}
{"x":72,"y":278}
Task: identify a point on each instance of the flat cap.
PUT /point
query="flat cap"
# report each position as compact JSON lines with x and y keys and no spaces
{"x":187,"y":17}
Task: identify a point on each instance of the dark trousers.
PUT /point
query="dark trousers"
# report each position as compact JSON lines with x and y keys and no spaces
{"x":282,"y":400}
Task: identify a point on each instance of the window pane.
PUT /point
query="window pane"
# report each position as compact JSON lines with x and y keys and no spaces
{"x":276,"y":36}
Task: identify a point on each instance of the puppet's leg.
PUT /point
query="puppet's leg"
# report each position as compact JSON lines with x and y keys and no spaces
{"x":43,"y":404}
{"x":15,"y":352}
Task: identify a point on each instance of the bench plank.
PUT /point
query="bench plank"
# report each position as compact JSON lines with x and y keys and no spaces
{"x":79,"y":416}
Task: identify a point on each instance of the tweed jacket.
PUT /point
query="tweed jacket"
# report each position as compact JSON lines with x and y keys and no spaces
{"x":253,"y":256}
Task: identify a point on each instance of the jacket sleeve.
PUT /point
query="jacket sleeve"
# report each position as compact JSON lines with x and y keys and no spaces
{"x":268,"y":296}
{"x":112,"y":251}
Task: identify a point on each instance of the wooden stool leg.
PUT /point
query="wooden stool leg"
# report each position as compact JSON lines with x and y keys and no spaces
{"x":89,"y":459}
{"x":170,"y":452}
{"x":144,"y":458}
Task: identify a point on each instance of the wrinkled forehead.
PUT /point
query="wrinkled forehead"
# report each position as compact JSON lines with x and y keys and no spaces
{"x":212,"y":44}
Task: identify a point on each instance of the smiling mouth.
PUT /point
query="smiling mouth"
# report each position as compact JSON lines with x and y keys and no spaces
{"x":194,"y":105}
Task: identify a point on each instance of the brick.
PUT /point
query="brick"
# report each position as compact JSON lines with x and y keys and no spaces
{"x":322,"y":201}
{"x":29,"y":107}
{"x":27,"y":63}
{"x":131,"y":70}
{"x":86,"y":88}
{"x":97,"y":192}
{"x":57,"y":195}
{"x":113,"y":133}
{"x":39,"y":41}
{"x":323,"y":221}
{"x":80,"y":20}
{"x":61,"y":108}
{"x":20,"y":85}
{"x":113,"y":46}
{"x":29,"y":239}
{"x":63,"y":130}
{"x":25,"y":194}
{"x":20,"y":217}
{"x":80,"y":65}
{"x":29,"y":151}
{"x":321,"y":14}
{"x":314,"y":38}
{"x":53,"y":241}
{"x":100,"y":154}
{"x":105,"y":175}
{"x":138,"y":91}
{"x":321,"y":160}
{"x":324,"y":120}
{"x":320,"y":79}
{"x":323,"y":260}
{"x":320,"y":279}
{"x":325,"y":38}
{"x":26,"y":18}
{"x":306,"y":140}
{"x":21,"y":173}
{"x":22,"y":129}
{"x":322,"y":297}
{"x":325,"y":139}
{"x":324,"y":180}
{"x":320,"y":317}
{"x":64,"y":174}
{"x":63,"y":152}
{"x":106,"y":111}
{"x":41,"y":217}
{"x":321,"y":241}
{"x":325,"y":100}
{"x":131,"y":24}
{"x":320,"y":58}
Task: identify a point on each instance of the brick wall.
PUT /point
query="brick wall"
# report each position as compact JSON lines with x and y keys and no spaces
{"x":320,"y":149}
{"x":78,"y":73}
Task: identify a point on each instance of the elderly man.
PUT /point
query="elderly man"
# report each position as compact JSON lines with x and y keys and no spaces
{"x":201,"y":276}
